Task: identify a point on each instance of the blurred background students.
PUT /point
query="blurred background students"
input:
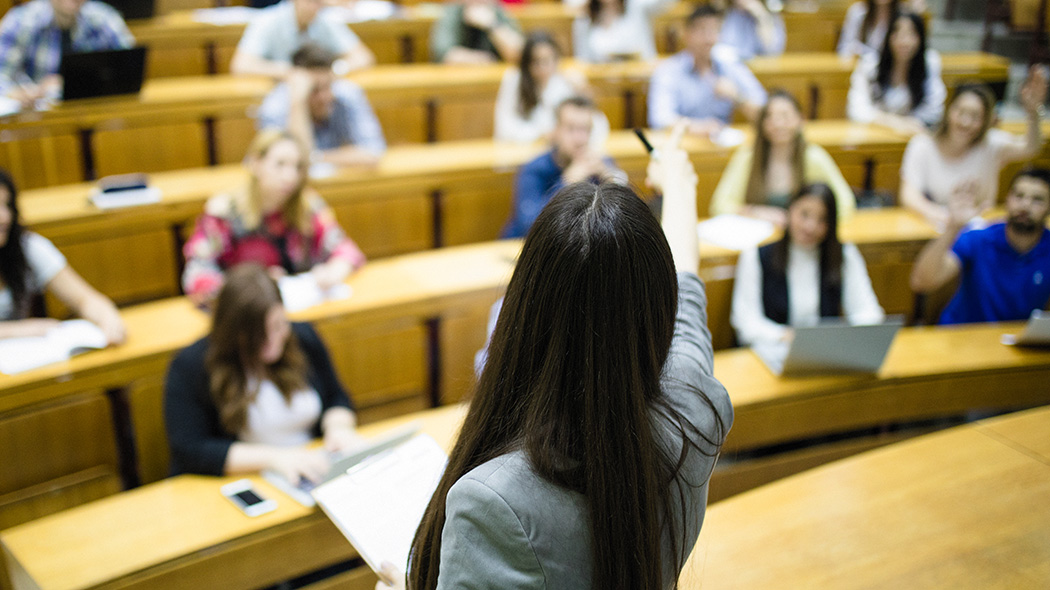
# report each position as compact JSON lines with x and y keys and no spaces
{"x":274,"y":35}
{"x":30,"y":265}
{"x":252,"y":393}
{"x":965,"y":149}
{"x":752,"y":29}
{"x":759,"y":181}
{"x":802,"y":278}
{"x":530,"y":94}
{"x":473,"y":32}
{"x":570,"y":159}
{"x":901,"y":87}
{"x":864,"y":28}
{"x":611,"y":30}
{"x":330,"y":116}
{"x":36,"y":34}
{"x":699,"y":86}
{"x":276,"y":221}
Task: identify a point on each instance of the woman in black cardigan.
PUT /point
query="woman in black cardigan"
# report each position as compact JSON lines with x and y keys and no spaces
{"x":252,"y":393}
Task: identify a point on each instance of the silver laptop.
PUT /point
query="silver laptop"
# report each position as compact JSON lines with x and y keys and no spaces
{"x":1036,"y":331}
{"x":301,"y":489}
{"x":832,"y":347}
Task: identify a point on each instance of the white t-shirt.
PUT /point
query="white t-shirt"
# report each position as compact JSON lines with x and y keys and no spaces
{"x":273,"y":34}
{"x":862,"y":105}
{"x":274,"y":421}
{"x":748,"y":317}
{"x":929,"y":171}
{"x":44,"y":262}
{"x":629,"y":35}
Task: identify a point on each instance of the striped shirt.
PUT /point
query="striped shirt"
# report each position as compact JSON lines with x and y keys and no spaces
{"x":31,"y":42}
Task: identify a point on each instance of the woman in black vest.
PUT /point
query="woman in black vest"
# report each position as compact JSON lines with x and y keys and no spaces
{"x":803,"y":277}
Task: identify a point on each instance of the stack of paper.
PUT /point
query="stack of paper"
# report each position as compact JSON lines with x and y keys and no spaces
{"x":59,"y":344}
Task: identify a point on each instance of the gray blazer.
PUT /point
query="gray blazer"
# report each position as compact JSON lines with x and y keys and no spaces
{"x":506,"y":527}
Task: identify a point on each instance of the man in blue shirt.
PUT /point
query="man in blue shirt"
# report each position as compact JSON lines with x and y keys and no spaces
{"x":700,"y":85}
{"x":330,"y":116}
{"x":1004,"y":269}
{"x":570,"y":160}
{"x":34,"y":35}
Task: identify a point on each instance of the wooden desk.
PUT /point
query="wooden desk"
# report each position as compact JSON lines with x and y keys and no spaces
{"x":964,"y":508}
{"x":77,"y":548}
{"x":403,"y":342}
{"x":419,"y":197}
{"x":204,"y":120}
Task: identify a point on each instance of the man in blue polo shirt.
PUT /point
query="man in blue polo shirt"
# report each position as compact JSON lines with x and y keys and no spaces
{"x":1004,"y":269}
{"x":569,"y":160}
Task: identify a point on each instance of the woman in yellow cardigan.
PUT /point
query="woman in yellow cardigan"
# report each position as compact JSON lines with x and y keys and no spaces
{"x":759,"y":180}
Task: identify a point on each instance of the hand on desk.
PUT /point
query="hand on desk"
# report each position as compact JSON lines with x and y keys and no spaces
{"x":298,"y":463}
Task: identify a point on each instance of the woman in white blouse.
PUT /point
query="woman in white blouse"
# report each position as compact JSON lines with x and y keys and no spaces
{"x":530,"y":94}
{"x":611,"y":30}
{"x":866,"y":23}
{"x":805,"y":276}
{"x":965,"y":150}
{"x":901,"y":87}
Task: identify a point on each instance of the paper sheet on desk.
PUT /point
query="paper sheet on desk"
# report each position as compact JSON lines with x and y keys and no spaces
{"x":61,"y":342}
{"x":735,"y":232}
{"x":379,"y":503}
{"x":228,"y":15}
{"x":301,"y":291}
{"x":363,"y":10}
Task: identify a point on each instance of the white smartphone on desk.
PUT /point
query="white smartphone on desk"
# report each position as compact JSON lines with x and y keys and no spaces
{"x":244,"y":496}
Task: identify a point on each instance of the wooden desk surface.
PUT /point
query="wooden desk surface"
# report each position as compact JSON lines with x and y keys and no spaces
{"x":964,"y":508}
{"x":157,"y":524}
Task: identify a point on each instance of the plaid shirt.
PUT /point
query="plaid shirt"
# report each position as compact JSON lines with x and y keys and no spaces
{"x":31,"y":43}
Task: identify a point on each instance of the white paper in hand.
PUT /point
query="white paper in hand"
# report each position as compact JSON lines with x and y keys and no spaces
{"x":735,"y":232}
{"x":379,"y":503}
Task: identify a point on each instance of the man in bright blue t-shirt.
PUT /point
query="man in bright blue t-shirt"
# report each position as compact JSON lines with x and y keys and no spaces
{"x":569,"y":160}
{"x":1004,"y":269}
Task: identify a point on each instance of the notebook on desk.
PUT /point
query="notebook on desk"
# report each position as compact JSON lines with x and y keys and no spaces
{"x":831,"y":347}
{"x":103,"y":73}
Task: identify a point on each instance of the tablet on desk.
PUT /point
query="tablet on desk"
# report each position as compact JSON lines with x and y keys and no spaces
{"x":832,"y":347}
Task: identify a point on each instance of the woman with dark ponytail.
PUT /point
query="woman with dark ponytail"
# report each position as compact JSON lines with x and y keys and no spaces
{"x":585,"y":457}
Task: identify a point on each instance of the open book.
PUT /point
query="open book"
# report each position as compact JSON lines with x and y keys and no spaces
{"x":59,"y":344}
{"x":301,"y":291}
{"x":379,"y":503}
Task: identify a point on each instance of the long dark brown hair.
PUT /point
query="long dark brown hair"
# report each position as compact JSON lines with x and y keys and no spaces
{"x":830,"y":248}
{"x":917,"y":67}
{"x":237,"y":336}
{"x":13,"y":265}
{"x":528,"y":91}
{"x":573,"y":380}
{"x":870,"y":19}
{"x":756,"y":193}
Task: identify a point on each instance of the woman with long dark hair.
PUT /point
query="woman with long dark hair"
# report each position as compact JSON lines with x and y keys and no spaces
{"x":966,"y":150}
{"x":760,"y":180}
{"x":529,"y":95}
{"x":864,"y":28}
{"x":611,"y":30}
{"x":805,"y":276}
{"x":585,"y":456}
{"x":30,"y":265}
{"x":249,"y":395}
{"x":277,"y":220}
{"x":901,"y":86}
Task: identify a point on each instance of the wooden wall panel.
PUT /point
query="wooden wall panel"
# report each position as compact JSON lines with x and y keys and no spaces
{"x":476,"y":211}
{"x":150,"y":148}
{"x":385,"y":225}
{"x":146,"y":398}
{"x":233,"y":135}
{"x":463,"y":333}
{"x":42,"y":157}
